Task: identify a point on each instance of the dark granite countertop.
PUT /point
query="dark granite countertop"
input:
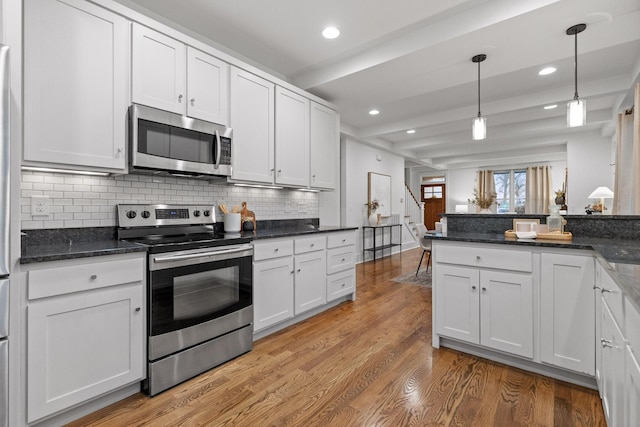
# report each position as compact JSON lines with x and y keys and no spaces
{"x":64,"y":250}
{"x":61,"y":244}
{"x":619,"y":256}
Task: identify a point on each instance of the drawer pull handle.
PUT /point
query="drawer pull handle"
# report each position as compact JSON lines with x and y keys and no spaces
{"x":596,"y":287}
{"x":344,"y":240}
{"x":484,"y":289}
{"x":292,"y":271}
{"x":344,"y":284}
{"x":605,"y":290}
{"x":313,"y":244}
{"x":473,"y":287}
{"x":94,"y":276}
{"x":298,"y":270}
{"x":477,"y":257}
{"x":606,"y":343}
{"x":343,"y":260}
{"x":276,"y":250}
{"x":180,"y":99}
{"x":137,"y":308}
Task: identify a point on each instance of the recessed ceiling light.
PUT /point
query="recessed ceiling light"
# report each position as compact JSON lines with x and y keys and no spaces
{"x":546,"y":71}
{"x":411,"y":131}
{"x":550,"y":107}
{"x":330,"y":33}
{"x":374,"y":112}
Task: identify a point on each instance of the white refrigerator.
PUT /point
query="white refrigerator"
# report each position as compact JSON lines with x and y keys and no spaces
{"x":4,"y":235}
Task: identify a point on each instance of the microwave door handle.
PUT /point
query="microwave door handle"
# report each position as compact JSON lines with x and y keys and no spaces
{"x":218,"y":148}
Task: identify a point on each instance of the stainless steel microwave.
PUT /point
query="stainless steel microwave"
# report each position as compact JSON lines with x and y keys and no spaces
{"x":168,"y":143}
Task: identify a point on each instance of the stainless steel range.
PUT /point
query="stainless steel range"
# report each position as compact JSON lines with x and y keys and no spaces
{"x":199,"y":294}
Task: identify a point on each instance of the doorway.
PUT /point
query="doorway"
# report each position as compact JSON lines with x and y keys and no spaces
{"x":434,"y":197}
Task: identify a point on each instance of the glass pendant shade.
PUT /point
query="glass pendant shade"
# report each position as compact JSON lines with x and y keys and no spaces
{"x":576,"y":113}
{"x":479,"y":128}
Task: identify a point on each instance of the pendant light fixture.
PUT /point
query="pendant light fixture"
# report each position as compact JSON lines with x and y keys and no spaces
{"x":577,"y":108}
{"x":479,"y":126}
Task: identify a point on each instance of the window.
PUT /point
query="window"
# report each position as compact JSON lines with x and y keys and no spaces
{"x":511,"y":190}
{"x":431,"y":192}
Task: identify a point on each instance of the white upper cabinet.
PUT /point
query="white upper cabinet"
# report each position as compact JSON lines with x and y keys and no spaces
{"x":170,"y":76}
{"x":252,"y":120}
{"x":207,"y":87}
{"x":159,"y":72}
{"x":292,"y":138}
{"x":75,"y":85}
{"x":324,"y":142}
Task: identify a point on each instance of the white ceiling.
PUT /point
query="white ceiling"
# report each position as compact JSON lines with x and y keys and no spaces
{"x":411,"y":59}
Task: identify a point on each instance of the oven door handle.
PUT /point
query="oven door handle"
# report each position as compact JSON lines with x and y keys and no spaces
{"x":171,"y":258}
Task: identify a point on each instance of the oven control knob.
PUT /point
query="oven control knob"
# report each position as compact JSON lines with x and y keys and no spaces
{"x":206,"y":213}
{"x":196,"y":213}
{"x":145,"y":214}
{"x":131,"y":214}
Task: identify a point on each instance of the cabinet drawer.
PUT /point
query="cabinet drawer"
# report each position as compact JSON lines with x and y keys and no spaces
{"x":504,"y":259}
{"x":340,"y":284}
{"x":612,"y":295}
{"x":74,"y":278}
{"x":346,"y":238}
{"x":309,"y":244}
{"x":272,"y":249}
{"x":340,"y":259}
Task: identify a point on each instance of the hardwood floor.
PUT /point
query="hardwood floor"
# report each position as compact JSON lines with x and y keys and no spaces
{"x":363,"y":363}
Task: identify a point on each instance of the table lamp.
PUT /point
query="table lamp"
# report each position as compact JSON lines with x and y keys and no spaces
{"x":601,"y":193}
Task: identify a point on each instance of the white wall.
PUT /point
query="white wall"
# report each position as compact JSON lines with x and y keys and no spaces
{"x":358,"y":160}
{"x":588,"y":161}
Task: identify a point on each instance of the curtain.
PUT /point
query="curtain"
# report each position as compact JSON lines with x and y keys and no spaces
{"x":626,"y":188}
{"x":539,"y":191}
{"x":486,"y":185}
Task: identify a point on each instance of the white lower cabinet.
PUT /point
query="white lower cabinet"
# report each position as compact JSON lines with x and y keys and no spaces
{"x":85,"y":332}
{"x":612,"y":371}
{"x":567,"y":311}
{"x":490,"y":308}
{"x":290,"y":275}
{"x":310,"y":280}
{"x":632,"y":395}
{"x":272,"y":291}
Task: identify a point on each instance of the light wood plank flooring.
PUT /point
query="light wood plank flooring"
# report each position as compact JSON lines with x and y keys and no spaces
{"x":363,"y":363}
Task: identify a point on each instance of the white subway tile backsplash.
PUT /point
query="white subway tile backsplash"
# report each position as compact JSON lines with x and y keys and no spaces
{"x":80,"y":201}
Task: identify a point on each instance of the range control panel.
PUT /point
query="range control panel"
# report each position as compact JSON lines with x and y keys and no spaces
{"x":157,"y":215}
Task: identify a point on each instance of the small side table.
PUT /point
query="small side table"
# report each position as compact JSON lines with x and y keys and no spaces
{"x":379,"y":238}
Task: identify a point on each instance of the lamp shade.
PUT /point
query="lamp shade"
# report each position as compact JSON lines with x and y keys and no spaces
{"x":576,"y":113}
{"x":479,"y":128}
{"x":601,"y":193}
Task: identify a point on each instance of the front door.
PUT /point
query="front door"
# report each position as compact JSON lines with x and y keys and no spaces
{"x":433,"y":196}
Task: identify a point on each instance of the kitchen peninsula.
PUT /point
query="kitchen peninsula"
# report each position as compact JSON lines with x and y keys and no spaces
{"x":568,"y":309}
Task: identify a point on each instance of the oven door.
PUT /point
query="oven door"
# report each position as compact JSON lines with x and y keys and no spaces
{"x":198,"y":295}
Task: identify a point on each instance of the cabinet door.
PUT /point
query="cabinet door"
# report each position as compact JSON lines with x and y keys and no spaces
{"x":272,"y":291}
{"x":158,"y":70}
{"x":506,"y":312}
{"x":207,"y":87}
{"x":567,"y":306}
{"x":457,"y":303}
{"x":324,"y":144}
{"x":310,"y":281}
{"x":82,"y":345}
{"x":75,"y":84}
{"x":612,"y":374}
{"x":292,"y":138}
{"x":252,"y":120}
{"x":632,"y":383}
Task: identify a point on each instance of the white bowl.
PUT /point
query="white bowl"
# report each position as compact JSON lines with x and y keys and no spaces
{"x":526,"y":234}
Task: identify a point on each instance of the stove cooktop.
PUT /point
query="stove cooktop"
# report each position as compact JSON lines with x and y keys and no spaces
{"x":165,"y":228}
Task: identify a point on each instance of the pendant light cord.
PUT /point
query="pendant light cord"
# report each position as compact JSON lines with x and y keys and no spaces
{"x":575,"y":96}
{"x":479,"y":115}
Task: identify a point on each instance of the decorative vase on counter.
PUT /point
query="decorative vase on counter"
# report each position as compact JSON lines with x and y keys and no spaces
{"x":379,"y":221}
{"x":485,"y":211}
{"x":373,"y":219}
